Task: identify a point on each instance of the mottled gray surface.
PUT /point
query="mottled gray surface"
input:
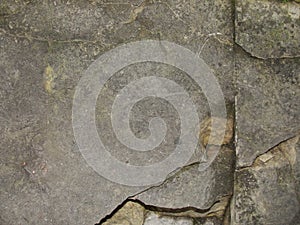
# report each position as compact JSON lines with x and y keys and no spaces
{"x":44,"y":179}
{"x":45,"y":48}
{"x":268,"y":29}
{"x":267,"y":106}
{"x":209,"y":221}
{"x":211,"y":185}
{"x":268,"y":192}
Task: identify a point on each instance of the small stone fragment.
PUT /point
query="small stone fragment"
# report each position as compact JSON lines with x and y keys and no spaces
{"x":131,"y":213}
{"x":155,"y":219}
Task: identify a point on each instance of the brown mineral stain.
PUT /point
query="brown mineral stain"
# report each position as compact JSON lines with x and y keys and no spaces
{"x":214,"y":137}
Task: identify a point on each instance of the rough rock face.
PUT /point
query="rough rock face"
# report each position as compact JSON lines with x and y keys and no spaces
{"x":251,"y":46}
{"x":211,"y":185}
{"x":267,"y":104}
{"x":268,"y":191}
{"x":268,"y":29}
{"x":45,"y":48}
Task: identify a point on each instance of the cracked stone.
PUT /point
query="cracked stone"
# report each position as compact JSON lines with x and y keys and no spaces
{"x":45,"y":48}
{"x":268,"y":191}
{"x":267,"y":104}
{"x":268,"y":29}
{"x":130,"y":214}
{"x":217,"y":211}
{"x":198,"y":189}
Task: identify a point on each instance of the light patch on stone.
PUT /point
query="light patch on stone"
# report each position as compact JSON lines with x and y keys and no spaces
{"x":155,"y":219}
{"x":49,"y":77}
{"x":131,"y":213}
{"x":294,"y":11}
{"x":289,"y":151}
{"x":266,"y":157}
{"x":279,"y":155}
{"x":209,"y":137}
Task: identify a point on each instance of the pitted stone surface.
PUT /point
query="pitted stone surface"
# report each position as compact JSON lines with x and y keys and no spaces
{"x":268,"y":29}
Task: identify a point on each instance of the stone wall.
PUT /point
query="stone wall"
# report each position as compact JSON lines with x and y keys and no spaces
{"x":251,"y":47}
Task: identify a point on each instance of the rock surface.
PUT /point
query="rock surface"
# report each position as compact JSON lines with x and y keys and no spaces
{"x":268,"y":29}
{"x":267,"y":105}
{"x":268,"y":192}
{"x":200,"y":191}
{"x":45,"y":47}
{"x":209,"y":221}
{"x":155,"y":219}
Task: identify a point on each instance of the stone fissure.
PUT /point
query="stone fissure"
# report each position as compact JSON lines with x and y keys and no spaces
{"x":266,"y":152}
{"x":252,"y":47}
{"x":217,"y":209}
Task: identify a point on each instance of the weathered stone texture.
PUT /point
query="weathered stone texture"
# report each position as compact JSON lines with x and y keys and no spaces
{"x":268,"y":191}
{"x":45,"y":48}
{"x":268,"y":29}
{"x":267,"y":104}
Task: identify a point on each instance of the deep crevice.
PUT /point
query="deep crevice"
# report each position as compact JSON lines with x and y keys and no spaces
{"x":165,"y":210}
{"x":227,"y":212}
{"x":176,"y":210}
{"x":112,"y":213}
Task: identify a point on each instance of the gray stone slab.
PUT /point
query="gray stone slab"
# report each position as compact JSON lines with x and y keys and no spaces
{"x":268,"y":192}
{"x":45,"y":48}
{"x":268,"y":29}
{"x":197,"y":189}
{"x":44,"y":179}
{"x":267,"y":106}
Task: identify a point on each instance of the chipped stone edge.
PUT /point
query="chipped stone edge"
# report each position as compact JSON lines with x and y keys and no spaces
{"x":264,"y":157}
